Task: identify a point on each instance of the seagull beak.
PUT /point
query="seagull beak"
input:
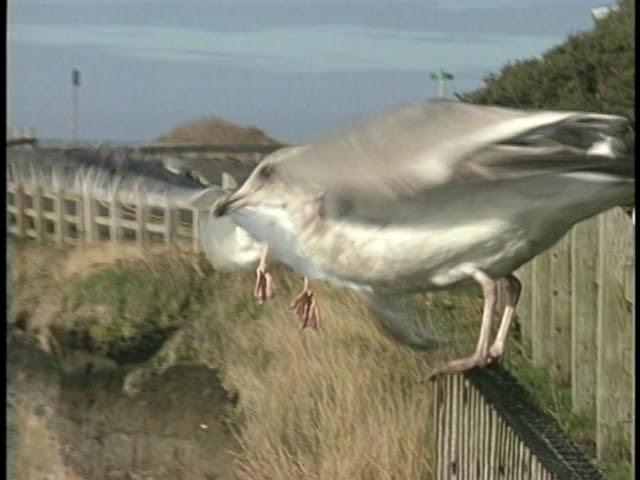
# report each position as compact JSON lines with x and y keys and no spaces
{"x":228,"y":204}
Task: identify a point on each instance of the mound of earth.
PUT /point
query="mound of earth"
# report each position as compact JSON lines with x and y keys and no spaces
{"x":70,"y":416}
{"x":208,"y":166}
{"x":81,"y":425}
{"x":216,"y":131}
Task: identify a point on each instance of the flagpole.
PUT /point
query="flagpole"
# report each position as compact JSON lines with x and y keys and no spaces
{"x":440,"y":78}
{"x":75,"y":118}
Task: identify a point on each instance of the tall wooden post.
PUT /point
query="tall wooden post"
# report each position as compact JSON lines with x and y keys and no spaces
{"x":560,"y":256}
{"x":584,"y":313}
{"x":89,"y":225}
{"x":59,"y":212}
{"x":18,"y":196}
{"x":541,"y":335}
{"x":615,"y":340}
{"x":37,"y":219}
{"x":140,"y":219}
{"x":524,"y":309}
{"x":114,"y":213}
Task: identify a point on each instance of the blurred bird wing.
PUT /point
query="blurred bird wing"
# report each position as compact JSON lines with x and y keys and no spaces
{"x":404,"y":153}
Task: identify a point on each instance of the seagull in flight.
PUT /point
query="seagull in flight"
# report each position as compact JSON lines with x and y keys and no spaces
{"x":431,"y":196}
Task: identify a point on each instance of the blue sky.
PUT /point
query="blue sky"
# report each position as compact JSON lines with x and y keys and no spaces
{"x":294,"y":69}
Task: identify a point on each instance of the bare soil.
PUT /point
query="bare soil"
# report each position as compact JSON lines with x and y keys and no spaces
{"x":216,"y":131}
{"x":82,"y":426}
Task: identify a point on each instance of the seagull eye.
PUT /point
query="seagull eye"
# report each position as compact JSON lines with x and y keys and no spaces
{"x":266,"y":172}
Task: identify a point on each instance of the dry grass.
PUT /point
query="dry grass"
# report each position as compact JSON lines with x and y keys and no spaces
{"x":346,"y":402}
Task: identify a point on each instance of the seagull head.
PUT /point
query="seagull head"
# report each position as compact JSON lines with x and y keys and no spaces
{"x":270,"y":187}
{"x":263,"y":187}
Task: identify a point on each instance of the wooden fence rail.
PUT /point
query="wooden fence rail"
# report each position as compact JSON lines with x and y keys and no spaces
{"x":67,"y":217}
{"x":473,"y":441}
{"x":488,"y":428}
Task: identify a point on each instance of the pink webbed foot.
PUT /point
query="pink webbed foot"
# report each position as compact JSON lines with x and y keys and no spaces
{"x":306,"y":308}
{"x":265,"y":286}
{"x":464,"y":364}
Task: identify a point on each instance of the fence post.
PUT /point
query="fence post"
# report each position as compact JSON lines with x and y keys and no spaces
{"x":584,"y":314}
{"x":614,"y":334}
{"x":140,"y":219}
{"x":37,"y":208}
{"x":59,"y":209}
{"x":560,"y":276}
{"x":114,"y":213}
{"x":80,"y":218}
{"x":524,"y":310}
{"x":630,"y":293}
{"x":18,"y":196}
{"x":541,"y":334}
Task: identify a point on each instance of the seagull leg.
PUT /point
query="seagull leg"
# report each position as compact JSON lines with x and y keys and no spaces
{"x":265,"y":287}
{"x":306,"y":307}
{"x":514,"y":287}
{"x":480,"y":357}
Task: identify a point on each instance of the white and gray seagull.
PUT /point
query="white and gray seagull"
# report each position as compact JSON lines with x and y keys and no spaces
{"x":432,"y":196}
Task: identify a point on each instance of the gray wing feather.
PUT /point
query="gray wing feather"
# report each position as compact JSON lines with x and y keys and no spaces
{"x":402,"y":154}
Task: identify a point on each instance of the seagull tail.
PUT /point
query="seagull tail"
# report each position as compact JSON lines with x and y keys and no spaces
{"x":621,"y":169}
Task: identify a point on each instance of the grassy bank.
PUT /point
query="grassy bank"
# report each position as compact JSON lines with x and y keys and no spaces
{"x":343,"y":402}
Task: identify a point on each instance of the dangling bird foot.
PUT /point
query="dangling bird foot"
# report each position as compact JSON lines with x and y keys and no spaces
{"x":306,"y":309}
{"x":476,"y":360}
{"x":265,"y":286}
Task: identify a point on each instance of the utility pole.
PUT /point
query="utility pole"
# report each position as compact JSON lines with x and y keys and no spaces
{"x":75,"y":92}
{"x":441,"y":79}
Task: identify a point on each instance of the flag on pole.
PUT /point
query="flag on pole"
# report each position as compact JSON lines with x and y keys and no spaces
{"x":442,"y":75}
{"x":446,"y":75}
{"x":75,"y":77}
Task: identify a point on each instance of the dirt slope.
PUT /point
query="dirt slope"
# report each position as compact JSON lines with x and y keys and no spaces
{"x":215,"y":131}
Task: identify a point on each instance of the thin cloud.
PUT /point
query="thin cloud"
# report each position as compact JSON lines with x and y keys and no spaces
{"x":321,"y":49}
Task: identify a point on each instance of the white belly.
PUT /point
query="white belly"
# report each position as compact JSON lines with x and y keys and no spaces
{"x":276,"y":228}
{"x":365,"y":257}
{"x":421,"y":257}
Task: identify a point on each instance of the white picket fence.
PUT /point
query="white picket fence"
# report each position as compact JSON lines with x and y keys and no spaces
{"x":67,"y":217}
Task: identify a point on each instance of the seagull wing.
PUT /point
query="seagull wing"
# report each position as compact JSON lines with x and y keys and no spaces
{"x":403,"y":154}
